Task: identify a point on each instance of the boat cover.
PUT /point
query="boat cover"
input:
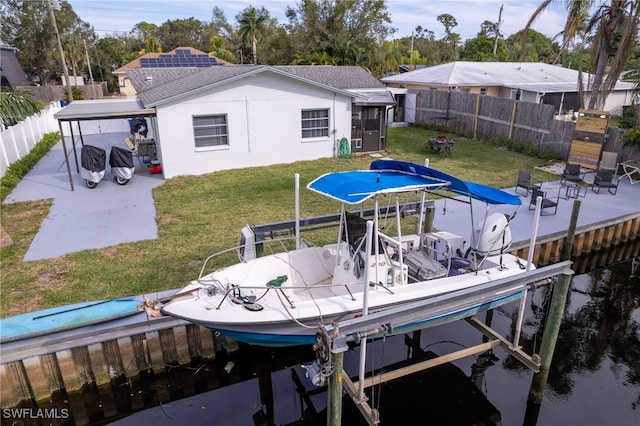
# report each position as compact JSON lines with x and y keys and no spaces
{"x":391,"y":176}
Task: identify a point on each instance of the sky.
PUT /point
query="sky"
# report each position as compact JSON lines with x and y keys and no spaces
{"x":109,"y":16}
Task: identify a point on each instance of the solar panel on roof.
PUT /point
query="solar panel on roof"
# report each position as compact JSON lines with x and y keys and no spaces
{"x":181,"y":58}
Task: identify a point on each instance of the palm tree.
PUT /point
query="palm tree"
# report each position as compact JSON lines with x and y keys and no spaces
{"x":616,"y":27}
{"x":16,"y":106}
{"x":152,"y":45}
{"x":252,"y":26}
{"x":577,"y":14}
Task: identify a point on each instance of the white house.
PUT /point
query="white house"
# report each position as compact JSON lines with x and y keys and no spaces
{"x":237,"y":116}
{"x":528,"y":81}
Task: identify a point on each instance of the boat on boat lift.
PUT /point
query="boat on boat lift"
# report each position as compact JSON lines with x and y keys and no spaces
{"x":281,"y":299}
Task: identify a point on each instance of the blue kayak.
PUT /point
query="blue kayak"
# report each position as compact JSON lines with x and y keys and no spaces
{"x":66,"y":317}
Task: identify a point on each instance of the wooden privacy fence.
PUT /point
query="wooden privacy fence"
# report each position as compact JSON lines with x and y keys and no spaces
{"x":18,"y":140}
{"x":56,"y":92}
{"x":481,"y":116}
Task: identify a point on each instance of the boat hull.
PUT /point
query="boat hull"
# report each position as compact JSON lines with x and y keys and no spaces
{"x":292,"y":335}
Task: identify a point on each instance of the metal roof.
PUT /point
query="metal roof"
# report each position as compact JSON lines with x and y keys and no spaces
{"x":507,"y":74}
{"x":377,"y":97}
{"x":103,"y":109}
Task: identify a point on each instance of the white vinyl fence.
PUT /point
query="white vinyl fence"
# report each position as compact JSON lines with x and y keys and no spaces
{"x":18,"y":140}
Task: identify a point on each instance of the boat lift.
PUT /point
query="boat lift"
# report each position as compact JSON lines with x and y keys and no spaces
{"x":333,"y":339}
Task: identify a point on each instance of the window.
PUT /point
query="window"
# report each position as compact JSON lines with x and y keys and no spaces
{"x":315,"y":123}
{"x":483,"y":90}
{"x":210,"y":130}
{"x":464,"y":89}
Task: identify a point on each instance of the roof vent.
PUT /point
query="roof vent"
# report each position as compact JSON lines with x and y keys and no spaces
{"x":520,"y":68}
{"x":149,"y":78}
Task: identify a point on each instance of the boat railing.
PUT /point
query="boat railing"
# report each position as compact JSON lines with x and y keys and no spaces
{"x":282,"y":242}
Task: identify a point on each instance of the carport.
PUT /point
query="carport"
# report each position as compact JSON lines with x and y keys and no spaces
{"x":103,"y":109}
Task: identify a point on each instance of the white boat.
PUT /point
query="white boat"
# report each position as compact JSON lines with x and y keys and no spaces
{"x":281,"y":299}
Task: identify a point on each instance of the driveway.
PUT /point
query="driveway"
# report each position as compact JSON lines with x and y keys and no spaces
{"x":108,"y":215}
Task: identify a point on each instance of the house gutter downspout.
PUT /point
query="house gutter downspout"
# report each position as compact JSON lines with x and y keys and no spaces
{"x":246,"y":111}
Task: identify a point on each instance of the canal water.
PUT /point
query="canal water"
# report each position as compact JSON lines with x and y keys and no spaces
{"x":594,"y":377}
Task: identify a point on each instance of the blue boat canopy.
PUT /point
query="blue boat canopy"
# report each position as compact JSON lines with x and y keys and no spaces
{"x":392,"y":176}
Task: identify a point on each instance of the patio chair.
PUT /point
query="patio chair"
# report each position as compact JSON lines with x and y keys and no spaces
{"x":547,"y":203}
{"x":605,"y":178}
{"x":524,"y":181}
{"x":609,"y":161}
{"x":571,"y":173}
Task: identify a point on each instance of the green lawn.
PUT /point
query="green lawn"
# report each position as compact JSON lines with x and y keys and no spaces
{"x":198,"y":216}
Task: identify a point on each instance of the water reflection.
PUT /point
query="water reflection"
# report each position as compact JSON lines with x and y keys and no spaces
{"x":600,"y":330}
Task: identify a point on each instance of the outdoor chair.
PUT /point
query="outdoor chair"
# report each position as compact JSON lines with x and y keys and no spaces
{"x":609,"y":161}
{"x":605,"y":178}
{"x":547,"y":203}
{"x":524,"y":181}
{"x":571,"y":173}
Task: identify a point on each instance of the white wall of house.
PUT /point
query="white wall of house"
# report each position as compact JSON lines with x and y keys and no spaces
{"x":616,"y":100}
{"x":264,"y":125}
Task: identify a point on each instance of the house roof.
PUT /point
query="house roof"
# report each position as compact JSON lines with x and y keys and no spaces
{"x":340,"y":77}
{"x":180,"y":57}
{"x":10,"y":68}
{"x":532,"y":76}
{"x":158,"y":86}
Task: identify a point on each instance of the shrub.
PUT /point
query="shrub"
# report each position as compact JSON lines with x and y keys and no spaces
{"x":20,"y":168}
{"x":632,"y":137}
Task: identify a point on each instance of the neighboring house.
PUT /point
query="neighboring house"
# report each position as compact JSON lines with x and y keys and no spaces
{"x":527,"y":81}
{"x":236,"y":116}
{"x":10,"y":69}
{"x":180,"y":57}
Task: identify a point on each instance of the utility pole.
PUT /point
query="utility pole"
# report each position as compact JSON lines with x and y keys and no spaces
{"x":86,"y":52}
{"x":495,"y":41}
{"x":52,"y":16}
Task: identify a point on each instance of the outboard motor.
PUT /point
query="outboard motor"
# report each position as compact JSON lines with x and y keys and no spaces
{"x":493,"y":236}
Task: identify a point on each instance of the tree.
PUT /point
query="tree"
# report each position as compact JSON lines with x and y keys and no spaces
{"x":616,"y":26}
{"x":152,"y":45}
{"x":319,"y":27}
{"x":183,"y":32}
{"x":74,"y":53}
{"x":577,"y":14}
{"x":539,"y":48}
{"x":143,"y":30}
{"x":219,"y":51}
{"x":450,"y":40}
{"x":252,"y":27}
{"x":26,"y":27}
{"x":16,"y":106}
{"x":480,"y":49}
